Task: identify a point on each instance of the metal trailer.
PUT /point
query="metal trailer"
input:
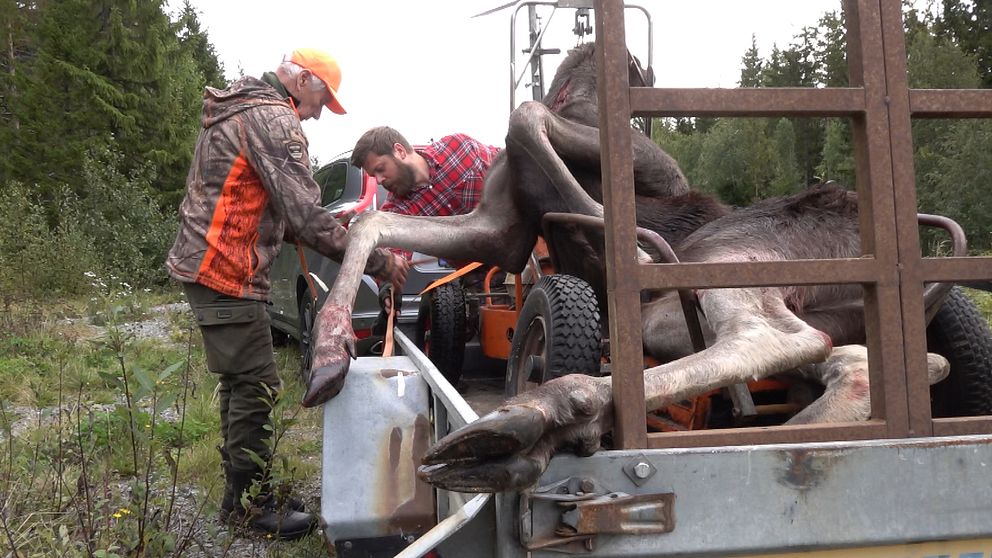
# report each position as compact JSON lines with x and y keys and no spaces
{"x":891,"y":498}
{"x":903,"y":484}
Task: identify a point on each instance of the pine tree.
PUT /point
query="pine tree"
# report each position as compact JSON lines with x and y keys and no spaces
{"x":196,"y":44}
{"x":786,"y":176}
{"x":678,"y":138}
{"x":960,"y":181}
{"x":837,"y":162}
{"x":831,"y":50}
{"x":103,"y":74}
{"x":751,"y":72}
{"x":100,"y":103}
{"x":951,"y":169}
{"x":12,"y":28}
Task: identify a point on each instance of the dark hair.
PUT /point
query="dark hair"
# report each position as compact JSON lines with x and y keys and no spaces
{"x":378,"y":140}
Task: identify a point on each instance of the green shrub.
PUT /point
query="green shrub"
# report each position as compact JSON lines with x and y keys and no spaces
{"x":37,"y":258}
{"x":111,"y":227}
{"x":106,"y":427}
{"x":121,"y":217}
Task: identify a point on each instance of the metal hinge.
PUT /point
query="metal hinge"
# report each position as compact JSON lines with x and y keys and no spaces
{"x":567,"y":516}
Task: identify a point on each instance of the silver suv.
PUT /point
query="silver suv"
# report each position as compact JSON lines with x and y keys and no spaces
{"x":343,"y":187}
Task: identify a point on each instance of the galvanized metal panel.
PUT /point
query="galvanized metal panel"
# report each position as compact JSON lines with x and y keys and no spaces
{"x":788,"y":497}
{"x":375,"y":433}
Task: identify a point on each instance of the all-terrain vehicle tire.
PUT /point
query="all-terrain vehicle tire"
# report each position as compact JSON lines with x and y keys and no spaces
{"x":441,"y":329}
{"x":961,"y":334}
{"x":557,"y":333}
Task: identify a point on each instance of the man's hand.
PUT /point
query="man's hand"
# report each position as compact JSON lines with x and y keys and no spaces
{"x":389,"y":297}
{"x":397,"y":271}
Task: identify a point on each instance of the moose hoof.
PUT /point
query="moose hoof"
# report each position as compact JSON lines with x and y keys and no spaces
{"x":514,"y":473}
{"x":325,"y":382}
{"x":502,"y":433}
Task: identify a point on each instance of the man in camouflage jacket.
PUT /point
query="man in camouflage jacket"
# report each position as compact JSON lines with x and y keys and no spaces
{"x":249,"y":187}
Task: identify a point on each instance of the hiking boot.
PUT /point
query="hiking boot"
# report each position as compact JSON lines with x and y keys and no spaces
{"x":265,"y":514}
{"x":229,"y":499}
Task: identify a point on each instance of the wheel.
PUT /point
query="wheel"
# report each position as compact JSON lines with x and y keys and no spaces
{"x":557,"y":333}
{"x":441,"y":329}
{"x":308,"y":315}
{"x":960,"y":334}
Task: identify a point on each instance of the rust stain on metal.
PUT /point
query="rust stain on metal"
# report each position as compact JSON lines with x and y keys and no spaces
{"x":416,"y":514}
{"x":804,"y":469}
{"x":404,"y":502}
{"x":393,"y":372}
{"x":389,"y":485}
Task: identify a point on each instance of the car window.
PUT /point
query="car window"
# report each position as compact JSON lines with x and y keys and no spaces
{"x":332,"y":179}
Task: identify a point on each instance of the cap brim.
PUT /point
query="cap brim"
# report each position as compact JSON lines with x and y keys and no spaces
{"x":335,"y":105}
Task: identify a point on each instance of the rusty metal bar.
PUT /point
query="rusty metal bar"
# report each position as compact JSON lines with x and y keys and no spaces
{"x":877,"y":216}
{"x":772,"y":273}
{"x":630,"y":429}
{"x":972,"y":268}
{"x":959,"y":243}
{"x":963,"y":426}
{"x":856,"y":72}
{"x":772,"y":101}
{"x":950,"y":103}
{"x":907,"y":225}
{"x":768,"y":435}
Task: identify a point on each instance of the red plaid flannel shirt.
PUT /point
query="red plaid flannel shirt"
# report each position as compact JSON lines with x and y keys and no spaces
{"x":458,"y":165}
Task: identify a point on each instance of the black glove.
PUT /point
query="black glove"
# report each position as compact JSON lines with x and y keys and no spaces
{"x":386,"y":293}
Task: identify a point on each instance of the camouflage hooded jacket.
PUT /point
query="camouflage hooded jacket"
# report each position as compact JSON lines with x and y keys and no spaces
{"x":249,"y":186}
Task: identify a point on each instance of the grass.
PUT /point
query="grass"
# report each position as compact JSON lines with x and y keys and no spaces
{"x":108,"y":440}
{"x":983,"y":300}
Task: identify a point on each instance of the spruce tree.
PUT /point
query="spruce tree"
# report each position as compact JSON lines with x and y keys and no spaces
{"x":752,"y":65}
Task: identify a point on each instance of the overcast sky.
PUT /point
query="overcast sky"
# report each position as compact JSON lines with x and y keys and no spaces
{"x":430,"y":69}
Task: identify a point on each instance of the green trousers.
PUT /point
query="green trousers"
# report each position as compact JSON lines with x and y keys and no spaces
{"x":237,"y":340}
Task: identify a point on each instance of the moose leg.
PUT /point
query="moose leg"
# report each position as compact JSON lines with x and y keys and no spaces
{"x":756,"y":335}
{"x":846,"y":397}
{"x":549,"y":140}
{"x":536,"y":131}
{"x":493,"y":233}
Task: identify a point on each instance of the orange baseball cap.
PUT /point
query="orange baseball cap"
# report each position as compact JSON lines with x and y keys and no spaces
{"x":325,"y":67}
